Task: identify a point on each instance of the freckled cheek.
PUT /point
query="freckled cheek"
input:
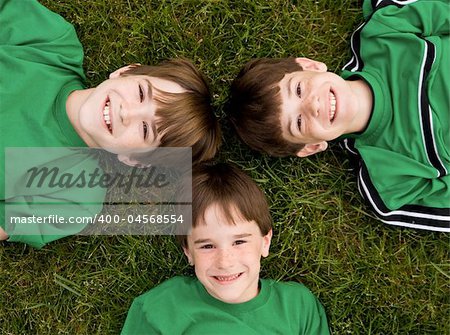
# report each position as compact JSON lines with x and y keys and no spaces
{"x":203,"y":262}
{"x":315,"y":129}
{"x":203,"y":271}
{"x":250,"y":256}
{"x":131,"y":136}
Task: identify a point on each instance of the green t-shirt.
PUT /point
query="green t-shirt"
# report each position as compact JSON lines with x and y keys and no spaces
{"x":181,"y":305}
{"x":41,"y":64}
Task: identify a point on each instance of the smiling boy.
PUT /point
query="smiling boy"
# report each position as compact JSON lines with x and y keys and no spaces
{"x":142,"y":107}
{"x":120,"y":113}
{"x":45,"y":103}
{"x":231,"y":231}
{"x":390,"y":106}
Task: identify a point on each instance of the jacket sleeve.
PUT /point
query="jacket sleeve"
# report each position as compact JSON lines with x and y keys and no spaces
{"x":422,"y":17}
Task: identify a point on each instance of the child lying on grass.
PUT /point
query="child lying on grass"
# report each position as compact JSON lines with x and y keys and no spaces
{"x":231,"y":230}
{"x":45,"y":103}
{"x":391,"y":106}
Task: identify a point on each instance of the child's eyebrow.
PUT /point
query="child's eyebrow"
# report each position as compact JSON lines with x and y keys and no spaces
{"x":242,"y":235}
{"x":289,"y":87}
{"x":150,"y":95}
{"x":289,"y":127}
{"x":149,"y":88}
{"x":207,"y":240}
{"x":204,"y":240}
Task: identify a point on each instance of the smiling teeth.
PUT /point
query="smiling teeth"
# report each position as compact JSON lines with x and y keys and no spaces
{"x":332,"y":106}
{"x":107,"y":117}
{"x":106,"y":113}
{"x":227,"y":278}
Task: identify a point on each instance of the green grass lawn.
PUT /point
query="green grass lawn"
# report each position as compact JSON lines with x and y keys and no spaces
{"x":370,"y":277}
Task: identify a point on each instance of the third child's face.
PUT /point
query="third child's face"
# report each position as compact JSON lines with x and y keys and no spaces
{"x":119,"y":115}
{"x":316,"y":106}
{"x":227,"y":256}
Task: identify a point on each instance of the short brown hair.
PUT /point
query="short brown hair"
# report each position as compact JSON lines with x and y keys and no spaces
{"x":185,"y":119}
{"x":255,"y":105}
{"x":229,"y":187}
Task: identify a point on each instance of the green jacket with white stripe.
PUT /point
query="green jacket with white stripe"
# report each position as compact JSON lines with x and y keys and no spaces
{"x":402,"y":50}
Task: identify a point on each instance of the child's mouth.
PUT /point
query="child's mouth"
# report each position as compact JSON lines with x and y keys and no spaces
{"x":332,"y":113}
{"x":107,"y":116}
{"x":227,"y":279}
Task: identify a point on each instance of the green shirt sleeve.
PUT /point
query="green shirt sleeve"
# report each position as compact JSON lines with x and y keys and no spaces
{"x":136,"y":321}
{"x":317,"y":321}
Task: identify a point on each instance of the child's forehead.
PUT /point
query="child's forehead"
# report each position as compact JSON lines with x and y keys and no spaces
{"x":218,"y":215}
{"x":165,"y":85}
{"x":223,"y":230}
{"x":223,"y":212}
{"x":160,"y":84}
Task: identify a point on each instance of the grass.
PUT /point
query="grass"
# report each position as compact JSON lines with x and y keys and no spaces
{"x":370,"y":277}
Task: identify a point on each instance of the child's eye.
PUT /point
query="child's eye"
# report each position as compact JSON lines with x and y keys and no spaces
{"x":141,"y":94}
{"x":238,"y":242}
{"x":299,"y":90}
{"x":207,"y":246}
{"x":145,"y":129}
{"x":299,"y":122}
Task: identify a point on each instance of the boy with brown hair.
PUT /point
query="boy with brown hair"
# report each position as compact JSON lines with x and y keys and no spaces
{"x":390,"y":105}
{"x":167,"y":105}
{"x":45,"y":103}
{"x":231,"y":230}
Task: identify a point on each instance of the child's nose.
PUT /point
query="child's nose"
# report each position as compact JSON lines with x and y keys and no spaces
{"x":225,"y":258}
{"x":129,"y":112}
{"x":312,"y":105}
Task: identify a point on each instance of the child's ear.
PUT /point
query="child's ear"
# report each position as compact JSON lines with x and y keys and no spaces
{"x":312,"y":148}
{"x":123,"y":69}
{"x":188,"y":255}
{"x":266,"y":244}
{"x":128,"y":160}
{"x":311,"y":64}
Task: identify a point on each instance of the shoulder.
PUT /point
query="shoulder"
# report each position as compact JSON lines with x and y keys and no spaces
{"x":167,"y":289}
{"x":36,"y":13}
{"x":413,"y":12}
{"x":299,"y":306}
{"x":40,"y":26}
{"x":157,"y":308}
{"x":160,"y":299}
{"x":290,"y":290}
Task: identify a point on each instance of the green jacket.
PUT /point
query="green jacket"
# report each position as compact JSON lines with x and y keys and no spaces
{"x":402,"y":51}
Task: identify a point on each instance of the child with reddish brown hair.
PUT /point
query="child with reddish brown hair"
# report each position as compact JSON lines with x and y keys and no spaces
{"x":47,"y":104}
